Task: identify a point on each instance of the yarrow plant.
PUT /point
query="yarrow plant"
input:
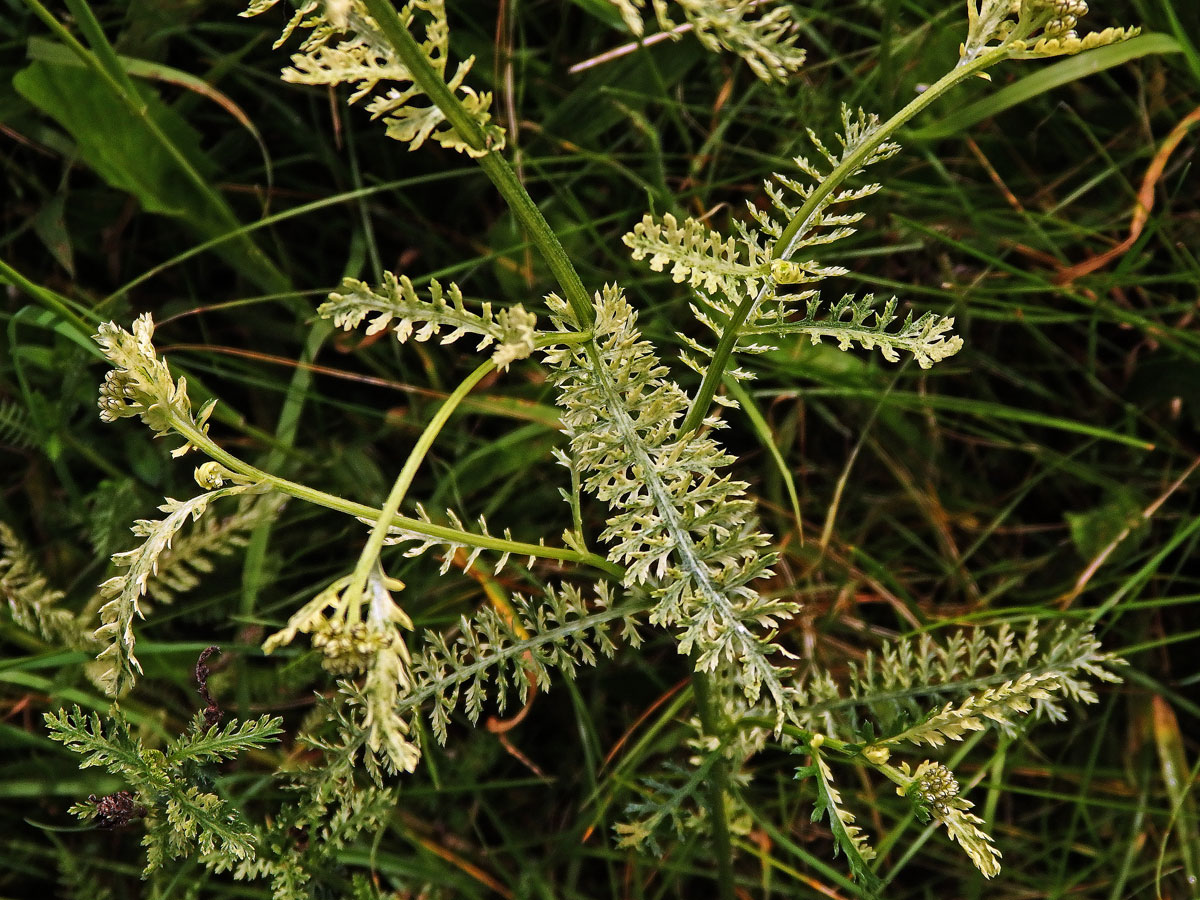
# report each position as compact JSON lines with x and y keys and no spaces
{"x":680,"y":550}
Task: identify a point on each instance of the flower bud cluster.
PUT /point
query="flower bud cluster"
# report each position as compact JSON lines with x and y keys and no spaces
{"x":138,"y":382}
{"x":1068,"y":42}
{"x":1067,"y":14}
{"x":349,"y":649}
{"x":933,"y":788}
{"x":118,"y":397}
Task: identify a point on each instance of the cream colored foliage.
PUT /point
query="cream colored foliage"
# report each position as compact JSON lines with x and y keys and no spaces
{"x":762,"y":33}
{"x":343,"y":45}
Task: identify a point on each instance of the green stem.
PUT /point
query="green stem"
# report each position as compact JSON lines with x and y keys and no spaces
{"x":493,"y":164}
{"x":391,"y":506}
{"x":187,"y":429}
{"x":785,"y":246}
{"x":541,"y":235}
{"x":423,"y":74}
{"x":718,"y":786}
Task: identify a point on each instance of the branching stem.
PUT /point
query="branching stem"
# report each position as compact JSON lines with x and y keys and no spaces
{"x":188,"y":430}
{"x":785,"y":245}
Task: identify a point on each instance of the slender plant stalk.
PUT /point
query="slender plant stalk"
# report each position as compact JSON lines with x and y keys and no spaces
{"x":717,"y":785}
{"x":391,"y":506}
{"x":186,"y":429}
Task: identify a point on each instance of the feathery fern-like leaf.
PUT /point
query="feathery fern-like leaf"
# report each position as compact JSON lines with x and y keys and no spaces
{"x":512,"y":330}
{"x":697,"y":254}
{"x":906,"y":682}
{"x":420,"y":544}
{"x":677,"y":524}
{"x":343,"y":45}
{"x":728,"y":272}
{"x":16,"y":431}
{"x":965,"y":828}
{"x":852,"y":321}
{"x":388,"y":681}
{"x":181,"y":818}
{"x":761,"y":33}
{"x":847,"y":837}
{"x":202,"y":744}
{"x":190,"y":557}
{"x":934,"y":793}
{"x":359,"y":632}
{"x":197,"y":821}
{"x":122,"y":593}
{"x":32,"y":603}
{"x":495,"y":656}
{"x":666,"y":809}
{"x":106,"y":743}
{"x":331,"y":809}
{"x":1001,"y":705}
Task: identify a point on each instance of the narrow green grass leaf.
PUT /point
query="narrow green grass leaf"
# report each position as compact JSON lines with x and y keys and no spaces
{"x":1187,"y":44}
{"x":1046,"y":79}
{"x":986,"y":410}
{"x":763,"y":431}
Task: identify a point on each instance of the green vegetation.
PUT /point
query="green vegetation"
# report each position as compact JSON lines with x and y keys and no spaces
{"x":779,"y":484}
